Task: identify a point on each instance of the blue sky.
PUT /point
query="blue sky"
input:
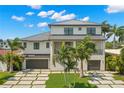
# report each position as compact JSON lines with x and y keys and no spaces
{"x":21,"y":21}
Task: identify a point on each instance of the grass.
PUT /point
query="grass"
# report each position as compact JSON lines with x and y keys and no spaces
{"x":57,"y":81}
{"x":4,"y":76}
{"x":118,"y":77}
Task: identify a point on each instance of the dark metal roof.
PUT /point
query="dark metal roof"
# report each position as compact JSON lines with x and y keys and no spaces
{"x":74,"y":22}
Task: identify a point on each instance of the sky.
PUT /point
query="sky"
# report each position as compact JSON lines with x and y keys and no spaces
{"x":22,"y":20}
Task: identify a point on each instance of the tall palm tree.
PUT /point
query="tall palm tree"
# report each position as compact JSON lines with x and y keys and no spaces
{"x":15,"y":44}
{"x":85,"y":49}
{"x":105,"y":28}
{"x":116,"y":32}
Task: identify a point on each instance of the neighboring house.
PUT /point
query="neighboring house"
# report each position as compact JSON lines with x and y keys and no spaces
{"x":3,"y":65}
{"x":39,"y":49}
{"x":4,"y":44}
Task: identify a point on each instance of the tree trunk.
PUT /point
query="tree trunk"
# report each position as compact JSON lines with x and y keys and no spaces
{"x":114,"y":42}
{"x":11,"y":67}
{"x":81,"y":69}
{"x":65,"y":79}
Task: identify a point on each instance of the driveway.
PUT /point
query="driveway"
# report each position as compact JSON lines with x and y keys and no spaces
{"x":104,"y":79}
{"x":28,"y":79}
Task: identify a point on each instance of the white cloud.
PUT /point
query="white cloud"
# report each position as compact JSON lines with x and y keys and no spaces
{"x":35,"y":6}
{"x":29,"y":13}
{"x":114,"y":8}
{"x":42,"y":24}
{"x":58,"y":16}
{"x":18,"y":18}
{"x":85,"y":19}
{"x":45,"y":14}
{"x":31,"y":25}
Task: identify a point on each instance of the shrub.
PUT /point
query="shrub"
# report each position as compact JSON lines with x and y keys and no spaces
{"x":121,"y":62}
{"x":111,"y":62}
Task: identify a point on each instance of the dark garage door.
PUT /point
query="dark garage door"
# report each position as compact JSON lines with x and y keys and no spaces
{"x":37,"y":63}
{"x":94,"y":65}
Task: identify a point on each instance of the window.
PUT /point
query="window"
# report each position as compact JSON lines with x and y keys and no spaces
{"x":25,"y":44}
{"x":68,"y":31}
{"x":36,"y":45}
{"x":4,"y":43}
{"x":79,"y":28}
{"x":91,"y":31}
{"x":47,"y":45}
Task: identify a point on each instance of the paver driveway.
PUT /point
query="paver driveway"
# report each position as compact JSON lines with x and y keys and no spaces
{"x":28,"y":79}
{"x":105,"y":80}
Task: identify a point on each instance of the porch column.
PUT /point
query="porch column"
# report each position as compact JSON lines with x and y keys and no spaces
{"x":85,"y":65}
{"x":24,"y":65}
{"x":74,"y":43}
{"x":102,"y":65}
{"x":51,"y":55}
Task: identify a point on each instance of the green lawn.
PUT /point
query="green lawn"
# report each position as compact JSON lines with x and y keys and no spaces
{"x":118,"y":77}
{"x":57,"y":81}
{"x":4,"y":76}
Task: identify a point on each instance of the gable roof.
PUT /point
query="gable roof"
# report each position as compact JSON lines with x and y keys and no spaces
{"x":74,"y":23}
{"x":37,"y":37}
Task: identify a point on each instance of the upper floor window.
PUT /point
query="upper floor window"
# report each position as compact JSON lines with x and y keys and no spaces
{"x":47,"y":45}
{"x":68,"y":31}
{"x":36,"y":45}
{"x":91,"y":30}
{"x":25,"y":44}
{"x":79,"y":28}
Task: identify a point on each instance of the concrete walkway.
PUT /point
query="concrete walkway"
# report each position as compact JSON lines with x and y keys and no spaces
{"x":28,"y":79}
{"x":37,"y":79}
{"x":105,"y":80}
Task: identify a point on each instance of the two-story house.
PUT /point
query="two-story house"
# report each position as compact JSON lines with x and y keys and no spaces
{"x":40,"y":48}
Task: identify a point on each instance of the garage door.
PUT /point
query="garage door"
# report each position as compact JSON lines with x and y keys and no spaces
{"x":94,"y":65}
{"x":37,"y":64}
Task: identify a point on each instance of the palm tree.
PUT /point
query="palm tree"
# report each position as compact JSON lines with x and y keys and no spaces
{"x":121,"y":34}
{"x":66,"y":58}
{"x":85,"y":49}
{"x":14,"y":46}
{"x":10,"y":59}
{"x":116,"y":32}
{"x":105,"y":28}
{"x":61,"y":57}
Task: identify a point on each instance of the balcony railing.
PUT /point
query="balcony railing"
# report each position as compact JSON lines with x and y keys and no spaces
{"x":98,"y":51}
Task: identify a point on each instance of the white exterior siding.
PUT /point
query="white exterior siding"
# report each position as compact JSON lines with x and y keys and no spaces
{"x":42,"y":48}
{"x":60,"y":30}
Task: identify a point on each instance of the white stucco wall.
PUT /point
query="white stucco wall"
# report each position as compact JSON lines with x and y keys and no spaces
{"x":3,"y":66}
{"x":42,"y":49}
{"x":60,"y":29}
